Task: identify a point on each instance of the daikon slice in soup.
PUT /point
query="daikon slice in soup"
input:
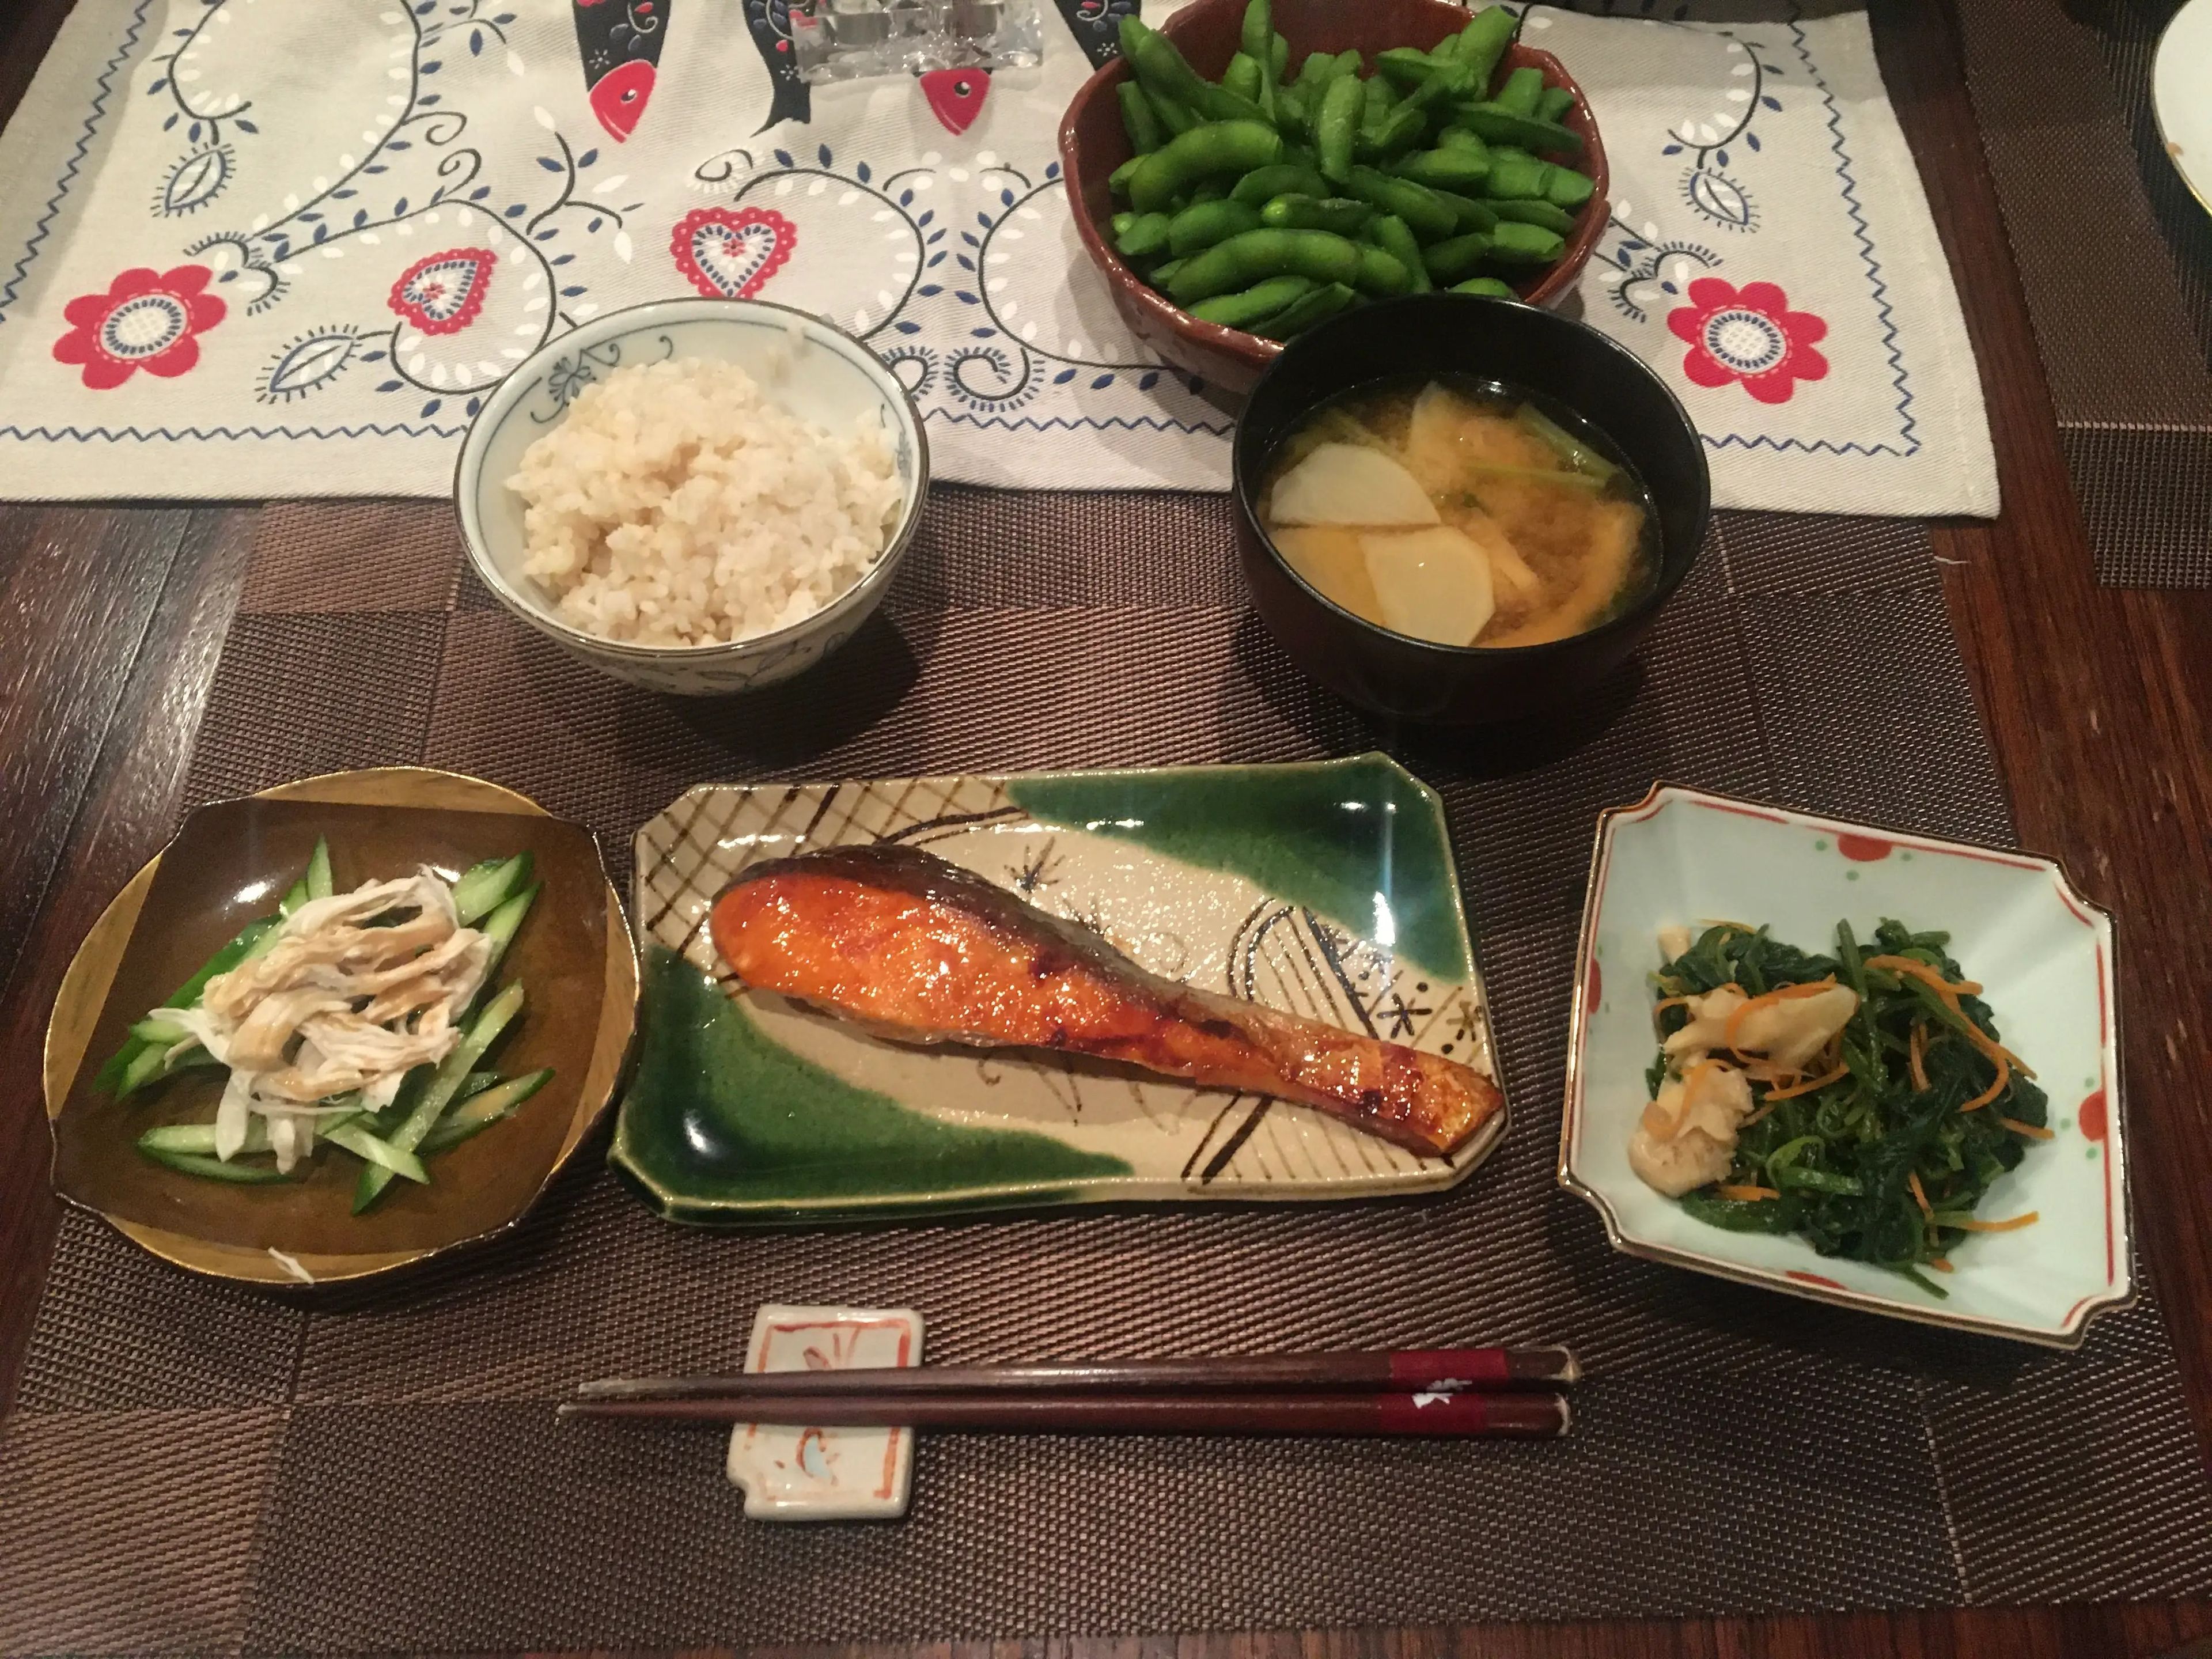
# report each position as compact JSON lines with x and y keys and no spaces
{"x":1461,"y":512}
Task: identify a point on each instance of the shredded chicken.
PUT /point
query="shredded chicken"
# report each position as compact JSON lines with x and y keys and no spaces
{"x":1789,"y":1033}
{"x":335,"y":1014}
{"x":1686,"y":1137}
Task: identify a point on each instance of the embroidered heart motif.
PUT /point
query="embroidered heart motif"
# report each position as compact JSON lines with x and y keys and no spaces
{"x":442,"y":293}
{"x":956,"y":96}
{"x":729,"y":253}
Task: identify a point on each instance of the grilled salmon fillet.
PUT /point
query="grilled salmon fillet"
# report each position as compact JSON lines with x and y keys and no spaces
{"x":900,"y":940}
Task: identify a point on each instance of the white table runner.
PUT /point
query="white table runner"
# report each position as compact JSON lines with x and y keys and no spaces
{"x":255,"y":247}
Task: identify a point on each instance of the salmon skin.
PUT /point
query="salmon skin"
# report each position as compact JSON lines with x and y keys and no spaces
{"x":914,"y":948}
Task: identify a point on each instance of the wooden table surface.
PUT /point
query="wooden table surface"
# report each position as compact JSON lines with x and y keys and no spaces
{"x":2098,"y":702}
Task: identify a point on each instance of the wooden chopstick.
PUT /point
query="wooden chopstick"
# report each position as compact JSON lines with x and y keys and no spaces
{"x":1410,"y":1371}
{"x":1458,"y":1416}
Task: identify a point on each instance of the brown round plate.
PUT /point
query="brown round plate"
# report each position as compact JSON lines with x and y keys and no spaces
{"x":573,"y":956}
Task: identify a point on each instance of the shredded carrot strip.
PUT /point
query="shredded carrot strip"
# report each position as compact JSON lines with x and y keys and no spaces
{"x":1969,"y":1224}
{"x":1811,"y":1085}
{"x":1920,"y":1055}
{"x":1949,"y":993}
{"x":1918,"y":1196}
{"x":1921,"y":971}
{"x":1756,"y":1115}
{"x":2034,"y":1132}
{"x":1941,"y":1264}
{"x":1748,"y":1195}
{"x":1768,"y":999}
{"x":1996,"y":1088}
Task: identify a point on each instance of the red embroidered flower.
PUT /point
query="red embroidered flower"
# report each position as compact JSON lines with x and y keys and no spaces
{"x":148,"y":320}
{"x":1751,"y":335}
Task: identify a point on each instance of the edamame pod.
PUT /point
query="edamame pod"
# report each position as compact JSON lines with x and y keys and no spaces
{"x":1567,"y":188}
{"x":1243,"y":78}
{"x":1336,"y":125}
{"x":1376,"y":100}
{"x":1279,"y":57}
{"x":1521,"y":91}
{"x":1262,"y":185}
{"x":1219,"y":149}
{"x":1318,"y":306}
{"x":1514,"y":243}
{"x":1141,"y":121}
{"x":1462,"y":139}
{"x":1512,"y":177}
{"x":1426,"y":215}
{"x":1389,"y":234}
{"x":1401,"y":129}
{"x":1206,"y":189}
{"x":1500,"y":125}
{"x":1118,"y":180}
{"x":1122,"y":221}
{"x":1164,"y":70}
{"x":1483,"y":42}
{"x":1341,"y":215}
{"x":1258,"y":36}
{"x":1204,"y":223}
{"x":1470,"y":214}
{"x":1554,"y":104}
{"x":1404,"y":67}
{"x":1536,"y":213}
{"x":1162,"y":275}
{"x":1381,"y":272}
{"x":1256,"y":255}
{"x":1490,"y":287}
{"x":1175,"y":118}
{"x":1253,"y":305}
{"x":1459,"y":168}
{"x":1448,"y":262}
{"x":1146,"y":238}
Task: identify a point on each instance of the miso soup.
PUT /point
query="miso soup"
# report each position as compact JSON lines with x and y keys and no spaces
{"x":1457,"y":511}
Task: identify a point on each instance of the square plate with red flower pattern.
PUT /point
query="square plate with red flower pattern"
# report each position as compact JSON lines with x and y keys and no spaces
{"x":2044,"y":954}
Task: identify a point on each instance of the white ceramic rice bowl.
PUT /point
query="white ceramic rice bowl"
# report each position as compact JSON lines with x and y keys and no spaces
{"x":809,"y":368}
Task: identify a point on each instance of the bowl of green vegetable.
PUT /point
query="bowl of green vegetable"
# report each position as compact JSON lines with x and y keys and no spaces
{"x":1258,"y":166}
{"x":340,"y":1027}
{"x":1854,"y":1064}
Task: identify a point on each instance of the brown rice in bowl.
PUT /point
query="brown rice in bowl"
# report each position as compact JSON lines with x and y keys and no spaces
{"x":677,"y":504}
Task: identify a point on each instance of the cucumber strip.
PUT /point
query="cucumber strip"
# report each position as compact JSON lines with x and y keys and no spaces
{"x":500,"y":927}
{"x":294,"y":897}
{"x":109,"y":1077}
{"x":214,"y":1168}
{"x":475,"y":1083}
{"x":384,"y":1157}
{"x":153,"y":1030}
{"x":490,"y":885}
{"x":251,"y":941}
{"x":149,"y":1063}
{"x":319,"y":870}
{"x":199,"y":1138}
{"x":442,"y":1087}
{"x":481,"y":1111}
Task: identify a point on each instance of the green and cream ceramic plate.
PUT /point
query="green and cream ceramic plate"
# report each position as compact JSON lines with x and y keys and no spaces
{"x":1327,"y":889}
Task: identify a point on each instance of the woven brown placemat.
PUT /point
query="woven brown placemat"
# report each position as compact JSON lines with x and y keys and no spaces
{"x":2116,"y":259}
{"x":195,"y":1468}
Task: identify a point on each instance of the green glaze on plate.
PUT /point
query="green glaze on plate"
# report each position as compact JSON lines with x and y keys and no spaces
{"x":719,"y":1113}
{"x":1257,"y":882}
{"x":1360,"y":840}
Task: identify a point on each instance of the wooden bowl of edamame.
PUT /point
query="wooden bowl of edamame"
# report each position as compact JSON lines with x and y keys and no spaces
{"x":1395,"y":146}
